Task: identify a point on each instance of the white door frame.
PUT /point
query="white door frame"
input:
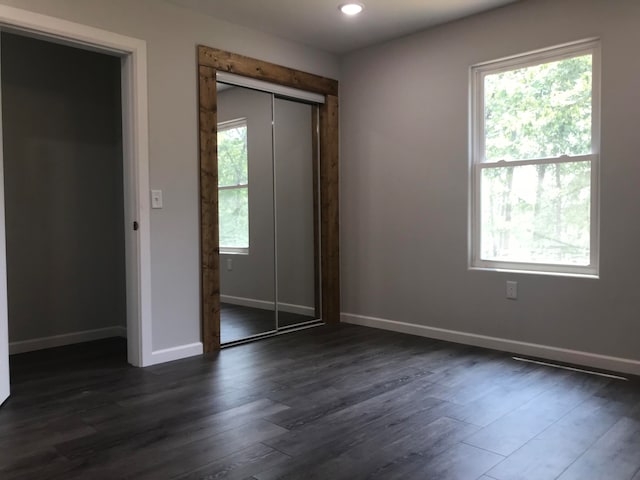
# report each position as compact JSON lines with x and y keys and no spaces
{"x":135,"y":139}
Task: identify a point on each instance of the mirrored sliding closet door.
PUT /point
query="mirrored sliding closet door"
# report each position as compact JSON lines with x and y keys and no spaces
{"x":296,"y":195}
{"x":267,"y":211}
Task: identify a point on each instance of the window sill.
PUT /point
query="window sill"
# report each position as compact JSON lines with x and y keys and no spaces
{"x":235,"y":251}
{"x":591,"y":276}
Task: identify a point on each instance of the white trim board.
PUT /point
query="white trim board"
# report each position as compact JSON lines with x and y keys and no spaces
{"x":177,"y":353}
{"x":299,"y":309}
{"x":133,"y":55}
{"x":66,"y":339}
{"x":247,"y":302}
{"x":593,"y":360}
{"x":267,"y":305}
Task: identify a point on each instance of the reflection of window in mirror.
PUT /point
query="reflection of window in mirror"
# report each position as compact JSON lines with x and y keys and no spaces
{"x":233,"y":186}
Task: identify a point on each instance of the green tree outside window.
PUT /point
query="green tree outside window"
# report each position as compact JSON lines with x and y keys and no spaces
{"x":233,"y":186}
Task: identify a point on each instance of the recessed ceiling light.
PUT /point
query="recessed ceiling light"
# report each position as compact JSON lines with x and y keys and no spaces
{"x":351,"y":8}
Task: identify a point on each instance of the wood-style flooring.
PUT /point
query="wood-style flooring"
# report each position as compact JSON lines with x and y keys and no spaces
{"x":333,"y":402}
{"x":238,"y":322}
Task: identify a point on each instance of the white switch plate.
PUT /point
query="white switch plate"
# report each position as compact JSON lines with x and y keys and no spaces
{"x":512,"y":290}
{"x":156,"y":198}
{"x":229,"y":264}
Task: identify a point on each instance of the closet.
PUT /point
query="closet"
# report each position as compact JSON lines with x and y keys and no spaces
{"x":269,"y":211}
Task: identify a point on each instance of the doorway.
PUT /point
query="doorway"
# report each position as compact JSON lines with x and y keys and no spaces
{"x":64,"y":199}
{"x":131,"y":56}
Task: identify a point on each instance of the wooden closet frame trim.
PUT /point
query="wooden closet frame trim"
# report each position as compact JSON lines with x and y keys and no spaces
{"x":210,"y":60}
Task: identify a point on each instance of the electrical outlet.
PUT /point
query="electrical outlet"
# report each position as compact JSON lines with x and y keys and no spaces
{"x":229,"y":264}
{"x":512,"y":290}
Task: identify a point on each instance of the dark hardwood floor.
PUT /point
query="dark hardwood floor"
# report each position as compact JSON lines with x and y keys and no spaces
{"x":333,"y":402}
{"x":238,"y":322}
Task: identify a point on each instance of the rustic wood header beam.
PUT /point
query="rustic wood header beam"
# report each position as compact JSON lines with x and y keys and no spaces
{"x":269,"y":72}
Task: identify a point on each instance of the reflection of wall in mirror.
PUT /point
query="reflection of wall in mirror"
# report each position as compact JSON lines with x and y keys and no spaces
{"x":294,"y":201}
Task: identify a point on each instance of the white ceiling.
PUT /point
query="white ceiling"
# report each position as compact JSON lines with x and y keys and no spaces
{"x":319,"y":23}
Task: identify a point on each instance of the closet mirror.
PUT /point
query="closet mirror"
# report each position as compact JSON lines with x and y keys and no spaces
{"x":296,"y":196}
{"x":269,"y":208}
{"x":246,"y":228}
{"x":267,"y":212}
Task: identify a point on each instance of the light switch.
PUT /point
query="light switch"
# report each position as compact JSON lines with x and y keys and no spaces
{"x":156,"y":198}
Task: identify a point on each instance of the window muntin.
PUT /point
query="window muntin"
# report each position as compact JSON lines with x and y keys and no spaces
{"x":535,"y":134}
{"x":233,"y":187}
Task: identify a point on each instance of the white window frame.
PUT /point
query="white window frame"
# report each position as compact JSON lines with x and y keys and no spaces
{"x":222,"y":126}
{"x":478,"y":160}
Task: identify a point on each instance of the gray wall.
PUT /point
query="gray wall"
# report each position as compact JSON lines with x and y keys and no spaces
{"x":252,"y":275}
{"x":294,"y":202}
{"x":63,"y":189}
{"x":172,"y":34}
{"x":404,"y":185}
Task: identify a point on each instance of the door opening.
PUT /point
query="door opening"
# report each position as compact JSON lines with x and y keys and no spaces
{"x":63,"y":189}
{"x":131,"y":55}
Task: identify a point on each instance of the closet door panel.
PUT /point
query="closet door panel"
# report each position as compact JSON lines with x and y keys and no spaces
{"x":246,"y":213}
{"x":296,"y":212}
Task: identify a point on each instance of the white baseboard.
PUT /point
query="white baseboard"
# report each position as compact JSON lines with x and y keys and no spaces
{"x":267,"y":305}
{"x":299,"y":309}
{"x":33,"y":344}
{"x":593,"y":360}
{"x":247,"y":302}
{"x":176,"y":353}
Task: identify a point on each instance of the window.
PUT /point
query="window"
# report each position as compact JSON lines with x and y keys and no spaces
{"x":233,"y":187}
{"x":535,"y":156}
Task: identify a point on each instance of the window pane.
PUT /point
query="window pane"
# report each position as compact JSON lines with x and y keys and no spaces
{"x":232,"y":157}
{"x":536,"y":213}
{"x":541,"y":111}
{"x":233,"y":205}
